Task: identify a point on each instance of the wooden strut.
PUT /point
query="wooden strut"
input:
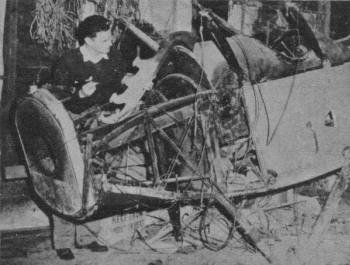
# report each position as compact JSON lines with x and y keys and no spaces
{"x":151,"y":148}
{"x":323,"y":221}
{"x":153,"y":45}
{"x":229,"y":211}
{"x":180,"y":144}
{"x":136,"y":119}
{"x":223,"y":204}
{"x":87,"y":172}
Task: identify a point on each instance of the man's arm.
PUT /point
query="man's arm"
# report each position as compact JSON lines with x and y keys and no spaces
{"x":62,"y":80}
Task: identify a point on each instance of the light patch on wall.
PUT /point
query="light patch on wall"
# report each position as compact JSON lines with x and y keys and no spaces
{"x":167,"y":15}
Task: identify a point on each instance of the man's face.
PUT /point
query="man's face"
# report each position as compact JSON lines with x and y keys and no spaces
{"x":101,"y":43}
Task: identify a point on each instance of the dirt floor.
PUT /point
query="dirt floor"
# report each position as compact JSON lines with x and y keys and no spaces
{"x":281,"y":233}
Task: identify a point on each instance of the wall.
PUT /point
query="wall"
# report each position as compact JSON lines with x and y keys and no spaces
{"x":2,"y":21}
{"x":167,"y":15}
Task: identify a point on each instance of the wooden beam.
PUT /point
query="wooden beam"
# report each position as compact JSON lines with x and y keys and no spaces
{"x":10,"y":52}
{"x":7,"y":92}
{"x":152,"y":150}
{"x":328,"y":210}
{"x":327,"y":20}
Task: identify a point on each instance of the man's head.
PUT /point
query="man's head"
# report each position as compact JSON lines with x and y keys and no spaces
{"x":95,"y":32}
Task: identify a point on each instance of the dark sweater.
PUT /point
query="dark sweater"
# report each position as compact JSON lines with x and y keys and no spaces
{"x":71,"y":73}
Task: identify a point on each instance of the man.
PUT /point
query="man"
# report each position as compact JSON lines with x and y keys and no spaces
{"x":93,"y":75}
{"x":88,"y":75}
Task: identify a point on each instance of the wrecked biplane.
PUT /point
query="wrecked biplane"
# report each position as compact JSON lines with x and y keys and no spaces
{"x":207,"y":94}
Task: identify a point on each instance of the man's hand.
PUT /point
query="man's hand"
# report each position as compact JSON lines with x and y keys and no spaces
{"x":88,"y":89}
{"x":118,"y":115}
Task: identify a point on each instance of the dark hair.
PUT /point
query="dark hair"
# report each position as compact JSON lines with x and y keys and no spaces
{"x":90,"y":26}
